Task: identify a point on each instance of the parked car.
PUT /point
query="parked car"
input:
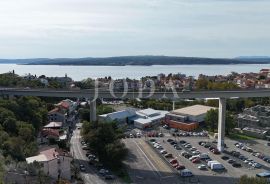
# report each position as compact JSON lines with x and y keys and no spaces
{"x":182,"y":142}
{"x":224,"y":158}
{"x":215,"y":151}
{"x":188,"y":146}
{"x":103,"y":171}
{"x":202,"y":167}
{"x":180,"y":167}
{"x":231,"y":161}
{"x":82,"y":168}
{"x":186,"y":173}
{"x":109,"y":177}
{"x":168,"y":155}
{"x":236,"y":164}
{"x":256,"y":165}
{"x":177,"y":147}
{"x":172,"y":161}
{"x":163,"y":151}
{"x":196,"y":160}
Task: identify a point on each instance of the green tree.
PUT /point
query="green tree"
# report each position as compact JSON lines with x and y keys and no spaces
{"x":10,"y":126}
{"x":104,"y":140}
{"x":230,"y":123}
{"x":201,"y":84}
{"x":211,"y":119}
{"x":84,"y":114}
{"x":252,"y":180}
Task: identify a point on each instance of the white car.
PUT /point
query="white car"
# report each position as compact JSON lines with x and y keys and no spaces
{"x":103,"y":171}
{"x":163,"y":151}
{"x":202,"y":167}
{"x":159,"y":147}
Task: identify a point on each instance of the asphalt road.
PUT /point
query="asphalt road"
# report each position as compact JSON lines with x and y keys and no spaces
{"x":90,"y":176}
{"x":145,"y":166}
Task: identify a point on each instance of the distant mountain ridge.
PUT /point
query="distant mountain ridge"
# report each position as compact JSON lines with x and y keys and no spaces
{"x":139,"y":60}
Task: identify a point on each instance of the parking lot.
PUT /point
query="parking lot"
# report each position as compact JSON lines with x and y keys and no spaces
{"x":234,"y":167}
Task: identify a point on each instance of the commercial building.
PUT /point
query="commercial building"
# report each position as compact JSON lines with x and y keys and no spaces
{"x":187,"y":118}
{"x":148,"y":118}
{"x":119,"y":116}
{"x":141,"y":118}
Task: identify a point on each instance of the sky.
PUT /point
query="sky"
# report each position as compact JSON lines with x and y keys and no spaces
{"x":102,"y":28}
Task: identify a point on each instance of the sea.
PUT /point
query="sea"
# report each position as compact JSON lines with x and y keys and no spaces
{"x":78,"y":73}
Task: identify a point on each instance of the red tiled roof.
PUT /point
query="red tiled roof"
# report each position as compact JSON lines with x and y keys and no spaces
{"x":64,"y":104}
{"x":50,"y":132}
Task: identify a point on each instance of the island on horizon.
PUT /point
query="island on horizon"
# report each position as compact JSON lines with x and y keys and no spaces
{"x":139,"y":60}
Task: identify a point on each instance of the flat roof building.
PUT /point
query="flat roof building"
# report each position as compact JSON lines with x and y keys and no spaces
{"x":141,"y":118}
{"x":148,"y":118}
{"x":120,"y":116}
{"x":187,"y":118}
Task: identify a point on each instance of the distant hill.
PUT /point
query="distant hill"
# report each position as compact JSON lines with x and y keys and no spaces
{"x":137,"y":60}
{"x":254,"y":58}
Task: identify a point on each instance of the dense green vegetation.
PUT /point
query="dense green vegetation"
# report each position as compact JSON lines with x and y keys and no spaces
{"x":104,"y":140}
{"x":84,"y":112}
{"x":20,"y":120}
{"x":204,"y":84}
{"x":13,"y":80}
{"x":211,"y":121}
{"x":252,"y":180}
{"x":1,"y":168}
{"x":85,"y":84}
{"x":238,"y":136}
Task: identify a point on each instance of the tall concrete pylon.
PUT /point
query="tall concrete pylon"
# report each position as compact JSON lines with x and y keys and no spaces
{"x":93,"y":111}
{"x":221,"y":123}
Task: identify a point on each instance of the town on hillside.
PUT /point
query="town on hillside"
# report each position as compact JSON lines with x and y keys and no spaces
{"x":52,"y":140}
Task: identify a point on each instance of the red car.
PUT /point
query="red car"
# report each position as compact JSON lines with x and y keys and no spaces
{"x":173,"y":161}
{"x":180,"y":167}
{"x":215,"y":151}
{"x":196,"y":160}
{"x":175,"y":165}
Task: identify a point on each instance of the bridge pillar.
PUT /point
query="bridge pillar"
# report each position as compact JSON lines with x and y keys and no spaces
{"x":221,"y":123}
{"x":173,"y":105}
{"x":93,"y":111}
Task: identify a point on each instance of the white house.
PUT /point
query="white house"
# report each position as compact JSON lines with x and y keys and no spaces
{"x":54,"y":163}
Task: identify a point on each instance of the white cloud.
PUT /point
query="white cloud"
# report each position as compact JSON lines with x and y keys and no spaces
{"x":77,"y":28}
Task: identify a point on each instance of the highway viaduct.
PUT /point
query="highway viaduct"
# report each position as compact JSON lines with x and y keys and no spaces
{"x":96,"y":93}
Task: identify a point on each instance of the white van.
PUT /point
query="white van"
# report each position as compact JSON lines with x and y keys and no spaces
{"x":209,"y":163}
{"x":217,"y":166}
{"x":186,"y":173}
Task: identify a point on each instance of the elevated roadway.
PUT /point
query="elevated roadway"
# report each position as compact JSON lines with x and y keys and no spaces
{"x":155,"y":95}
{"x":101,"y":93}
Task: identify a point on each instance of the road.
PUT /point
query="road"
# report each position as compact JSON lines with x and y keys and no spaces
{"x":101,"y":93}
{"x":91,"y":175}
{"x":145,"y":166}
